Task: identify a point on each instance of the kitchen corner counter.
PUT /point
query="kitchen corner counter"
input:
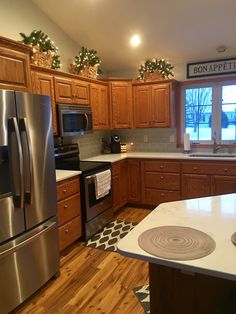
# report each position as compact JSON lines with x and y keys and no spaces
{"x":158,"y":155}
{"x":65,"y":174}
{"x":214,"y":215}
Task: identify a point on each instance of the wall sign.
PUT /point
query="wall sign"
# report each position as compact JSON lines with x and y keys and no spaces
{"x":210,"y":68}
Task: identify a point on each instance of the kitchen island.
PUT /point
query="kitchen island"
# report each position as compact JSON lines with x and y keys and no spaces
{"x":203,"y":285}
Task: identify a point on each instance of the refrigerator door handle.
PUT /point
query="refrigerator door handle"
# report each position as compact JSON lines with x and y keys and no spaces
{"x":16,"y":168}
{"x":28,"y":162}
{"x":47,"y":227}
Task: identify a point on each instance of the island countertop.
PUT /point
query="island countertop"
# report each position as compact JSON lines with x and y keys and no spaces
{"x":216,"y":216}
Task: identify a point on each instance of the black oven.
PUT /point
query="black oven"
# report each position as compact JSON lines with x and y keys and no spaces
{"x":96,"y":212}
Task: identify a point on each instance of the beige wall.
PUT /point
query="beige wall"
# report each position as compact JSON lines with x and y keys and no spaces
{"x":23,"y":16}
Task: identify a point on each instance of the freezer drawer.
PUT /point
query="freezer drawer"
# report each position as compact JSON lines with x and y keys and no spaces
{"x":26,"y":264}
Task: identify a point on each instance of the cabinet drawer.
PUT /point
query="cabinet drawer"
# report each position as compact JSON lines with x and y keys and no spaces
{"x":155,"y":197}
{"x":70,"y":232}
{"x":67,"y":188}
{"x":165,"y":181}
{"x":68,"y":209}
{"x":161,"y":166}
{"x":209,"y":167}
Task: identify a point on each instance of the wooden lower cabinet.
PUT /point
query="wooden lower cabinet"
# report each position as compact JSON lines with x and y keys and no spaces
{"x":134,"y":181}
{"x":207,"y":178}
{"x":119,"y":184}
{"x":69,"y":211}
{"x":160,"y":181}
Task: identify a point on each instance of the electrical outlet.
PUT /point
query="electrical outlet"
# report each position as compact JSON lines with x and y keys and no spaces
{"x":172,"y":139}
{"x":145,"y":138}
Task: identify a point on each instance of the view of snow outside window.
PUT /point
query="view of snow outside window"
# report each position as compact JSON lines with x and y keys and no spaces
{"x":199,"y":107}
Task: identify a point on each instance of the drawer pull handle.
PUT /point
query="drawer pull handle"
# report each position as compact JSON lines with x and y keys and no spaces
{"x":162,"y":194}
{"x":65,"y":206}
{"x":195,"y":168}
{"x":161,"y":167}
{"x":66,"y":230}
{"x":226,"y":169}
{"x":162,"y":178}
{"x":65,"y":190}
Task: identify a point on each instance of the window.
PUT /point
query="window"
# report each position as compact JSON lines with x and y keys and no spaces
{"x":209,"y":111}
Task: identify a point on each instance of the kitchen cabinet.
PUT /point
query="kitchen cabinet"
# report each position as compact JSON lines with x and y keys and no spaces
{"x":71,"y":91}
{"x":119,"y":184}
{"x":204,"y":178}
{"x":69,"y":211}
{"x":43,"y":84}
{"x":14,"y":65}
{"x":160,"y":181}
{"x":100,"y":106}
{"x":134,"y":181}
{"x":121,"y":103}
{"x":154,"y":104}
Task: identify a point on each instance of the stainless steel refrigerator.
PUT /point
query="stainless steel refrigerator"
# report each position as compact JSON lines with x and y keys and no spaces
{"x":29,"y":254}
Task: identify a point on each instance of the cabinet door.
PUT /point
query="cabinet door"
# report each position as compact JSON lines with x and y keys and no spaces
{"x":195,"y":185}
{"x":116,"y":195}
{"x":14,"y":70}
{"x":134,"y":180}
{"x":122,"y":113}
{"x":64,"y":90}
{"x":95,"y":103}
{"x":123,"y":183}
{"x":160,"y":105}
{"x":142,"y":102}
{"x":81,"y":92}
{"x":43,"y":84}
{"x":223,"y":185}
{"x":104,"y":108}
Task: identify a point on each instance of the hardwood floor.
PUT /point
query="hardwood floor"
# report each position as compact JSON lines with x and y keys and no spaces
{"x":93,"y":280}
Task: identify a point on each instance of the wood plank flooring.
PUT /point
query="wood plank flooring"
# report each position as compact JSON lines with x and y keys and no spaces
{"x":93,"y":280}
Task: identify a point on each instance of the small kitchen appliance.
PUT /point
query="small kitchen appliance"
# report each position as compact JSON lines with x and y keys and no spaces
{"x":115,"y":144}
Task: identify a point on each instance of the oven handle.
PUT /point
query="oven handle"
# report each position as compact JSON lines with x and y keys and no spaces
{"x":87,"y":121}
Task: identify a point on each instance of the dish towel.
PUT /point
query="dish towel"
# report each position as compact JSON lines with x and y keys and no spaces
{"x":102,"y":182}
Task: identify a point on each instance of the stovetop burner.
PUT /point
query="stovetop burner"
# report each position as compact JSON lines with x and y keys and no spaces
{"x":67,"y":158}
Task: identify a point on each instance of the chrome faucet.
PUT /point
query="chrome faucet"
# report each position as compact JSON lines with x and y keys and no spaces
{"x":216,"y":146}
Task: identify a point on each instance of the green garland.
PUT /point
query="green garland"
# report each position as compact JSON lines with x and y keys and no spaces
{"x":39,"y":38}
{"x":85,"y":58}
{"x":161,"y":65}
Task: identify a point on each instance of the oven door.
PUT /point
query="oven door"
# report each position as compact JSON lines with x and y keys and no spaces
{"x":94,"y":207}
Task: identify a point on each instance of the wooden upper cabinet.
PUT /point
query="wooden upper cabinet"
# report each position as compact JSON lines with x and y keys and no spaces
{"x":14,"y":65}
{"x":121,"y":101}
{"x":154,"y":105}
{"x":100,"y":106}
{"x":69,"y":91}
{"x":43,"y":84}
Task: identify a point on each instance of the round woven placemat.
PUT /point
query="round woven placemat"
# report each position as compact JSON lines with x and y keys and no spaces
{"x":176,"y":242}
{"x":233,"y":238}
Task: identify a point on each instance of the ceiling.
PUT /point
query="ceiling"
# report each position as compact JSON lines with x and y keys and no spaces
{"x":180,"y":31}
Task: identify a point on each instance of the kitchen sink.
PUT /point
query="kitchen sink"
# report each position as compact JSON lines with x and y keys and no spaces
{"x":212,"y":155}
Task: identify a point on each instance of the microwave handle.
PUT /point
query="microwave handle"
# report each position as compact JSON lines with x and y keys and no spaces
{"x":87,"y":121}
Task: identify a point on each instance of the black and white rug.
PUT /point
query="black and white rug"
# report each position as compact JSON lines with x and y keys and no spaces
{"x":142,"y":294}
{"x":107,"y":238}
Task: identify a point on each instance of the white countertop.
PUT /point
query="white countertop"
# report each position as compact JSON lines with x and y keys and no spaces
{"x":65,"y":174}
{"x":214,"y":215}
{"x":155,"y":155}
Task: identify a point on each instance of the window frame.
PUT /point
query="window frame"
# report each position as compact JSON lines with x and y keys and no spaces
{"x":216,"y":84}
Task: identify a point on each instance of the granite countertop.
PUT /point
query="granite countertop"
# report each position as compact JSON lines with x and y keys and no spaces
{"x":156,"y":155}
{"x":216,"y":216}
{"x":65,"y":174}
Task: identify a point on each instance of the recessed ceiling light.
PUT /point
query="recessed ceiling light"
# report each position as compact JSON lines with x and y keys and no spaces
{"x":135,"y":40}
{"x":221,"y":48}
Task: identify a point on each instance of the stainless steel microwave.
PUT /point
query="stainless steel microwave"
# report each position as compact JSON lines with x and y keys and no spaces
{"x":74,"y":120}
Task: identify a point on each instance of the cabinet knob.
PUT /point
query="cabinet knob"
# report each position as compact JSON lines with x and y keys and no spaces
{"x":225,"y":169}
{"x":195,"y":168}
{"x":162,"y":178}
{"x":65,"y":190}
{"x":66,"y":230}
{"x":161,"y":167}
{"x":65,"y":206}
{"x":162,"y":194}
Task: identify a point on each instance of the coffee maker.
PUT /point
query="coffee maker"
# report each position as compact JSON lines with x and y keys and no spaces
{"x":115,"y":144}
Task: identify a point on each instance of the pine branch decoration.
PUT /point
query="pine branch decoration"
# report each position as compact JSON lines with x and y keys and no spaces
{"x":40,"y":39}
{"x":151,"y":65}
